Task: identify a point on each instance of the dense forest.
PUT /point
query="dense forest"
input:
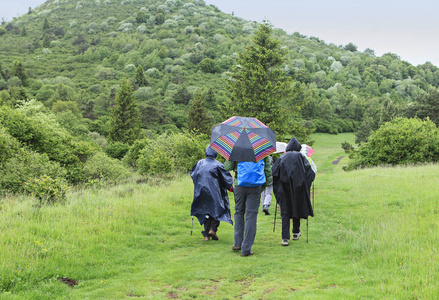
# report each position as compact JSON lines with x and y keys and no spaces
{"x":66,"y":67}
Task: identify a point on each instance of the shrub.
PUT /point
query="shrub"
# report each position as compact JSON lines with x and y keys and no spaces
{"x":100,"y":166}
{"x":173,"y":152}
{"x":8,"y":146}
{"x":117,"y":150}
{"x":400,"y":141}
{"x":132,"y":156}
{"x":26,"y":165}
{"x":47,"y":190}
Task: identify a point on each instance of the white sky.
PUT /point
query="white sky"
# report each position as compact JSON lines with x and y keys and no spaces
{"x":407,"y":28}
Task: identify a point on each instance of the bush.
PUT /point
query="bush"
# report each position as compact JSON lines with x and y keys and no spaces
{"x":173,"y":152}
{"x":117,"y":150}
{"x":100,"y":166}
{"x":47,"y":190}
{"x":26,"y":165}
{"x":133,"y":153}
{"x":38,"y":129}
{"x":8,"y":146}
{"x":400,"y":141}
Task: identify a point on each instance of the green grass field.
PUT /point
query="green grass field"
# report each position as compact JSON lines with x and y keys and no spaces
{"x":374,"y":236}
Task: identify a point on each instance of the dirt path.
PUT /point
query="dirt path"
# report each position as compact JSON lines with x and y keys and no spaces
{"x":337,"y":160}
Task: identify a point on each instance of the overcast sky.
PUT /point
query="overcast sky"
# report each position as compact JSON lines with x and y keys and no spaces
{"x":409,"y":29}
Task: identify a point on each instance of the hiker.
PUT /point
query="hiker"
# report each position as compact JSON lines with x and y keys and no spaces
{"x":292,"y":179}
{"x":211,"y":202}
{"x":266,"y":194}
{"x":250,"y":179}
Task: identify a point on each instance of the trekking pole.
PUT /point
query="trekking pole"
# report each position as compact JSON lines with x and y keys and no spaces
{"x":313,"y":194}
{"x":307,"y":230}
{"x":275,"y":212}
{"x":192,"y":225}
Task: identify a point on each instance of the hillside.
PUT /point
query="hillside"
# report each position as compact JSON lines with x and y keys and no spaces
{"x":74,"y":53}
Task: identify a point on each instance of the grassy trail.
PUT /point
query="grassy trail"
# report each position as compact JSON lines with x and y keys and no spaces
{"x":374,"y":235}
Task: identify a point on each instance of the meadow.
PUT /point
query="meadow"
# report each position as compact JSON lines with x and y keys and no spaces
{"x":374,"y":236}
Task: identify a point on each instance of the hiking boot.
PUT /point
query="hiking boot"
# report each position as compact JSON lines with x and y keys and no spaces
{"x":296,"y":235}
{"x":248,"y":254}
{"x":206,"y":238}
{"x":213,"y":235}
{"x":265,"y":210}
{"x":284,"y":242}
{"x":235,"y":248}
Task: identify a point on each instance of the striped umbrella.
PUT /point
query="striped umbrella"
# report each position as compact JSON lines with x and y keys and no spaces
{"x":243,"y":139}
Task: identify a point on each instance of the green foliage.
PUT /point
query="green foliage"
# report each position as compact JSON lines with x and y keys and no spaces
{"x":170,"y":153}
{"x":258,"y":82}
{"x":427,"y":105}
{"x":47,"y":190}
{"x":46,"y":24}
{"x":46,"y":41}
{"x":134,"y":151}
{"x":37,"y":129}
{"x":208,"y":65}
{"x":401,"y":141}
{"x":140,"y":76}
{"x":102,"y":167}
{"x":199,"y":120}
{"x":125,"y":116}
{"x":8,"y":145}
{"x":347,"y":147}
{"x":182,"y":95}
{"x":18,"y":70}
{"x":25,"y":165}
{"x":117,"y":150}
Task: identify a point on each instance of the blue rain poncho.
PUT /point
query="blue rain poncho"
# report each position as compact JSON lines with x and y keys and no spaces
{"x":211,"y":183}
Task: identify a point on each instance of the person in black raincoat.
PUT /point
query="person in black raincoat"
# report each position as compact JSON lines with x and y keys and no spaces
{"x":211,"y":202}
{"x":292,"y":179}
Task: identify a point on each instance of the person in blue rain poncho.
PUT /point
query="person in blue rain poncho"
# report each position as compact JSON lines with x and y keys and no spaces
{"x":211,"y":202}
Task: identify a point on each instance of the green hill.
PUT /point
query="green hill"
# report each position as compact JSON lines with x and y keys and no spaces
{"x":77,"y":51}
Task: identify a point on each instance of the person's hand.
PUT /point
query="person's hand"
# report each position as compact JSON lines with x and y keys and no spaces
{"x":231,"y":189}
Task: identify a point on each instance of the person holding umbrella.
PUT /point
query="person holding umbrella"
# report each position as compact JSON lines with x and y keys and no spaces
{"x":250,"y":179}
{"x":245,"y":143}
{"x":292,"y":179}
{"x":211,"y":202}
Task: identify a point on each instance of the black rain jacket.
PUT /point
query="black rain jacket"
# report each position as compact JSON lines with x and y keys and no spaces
{"x":292,"y":179}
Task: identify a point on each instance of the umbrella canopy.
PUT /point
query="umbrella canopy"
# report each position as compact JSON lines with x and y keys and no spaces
{"x":280,"y":147}
{"x":243,"y":139}
{"x":306,"y":150}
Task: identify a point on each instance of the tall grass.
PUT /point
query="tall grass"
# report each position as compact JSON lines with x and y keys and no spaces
{"x":374,"y":235}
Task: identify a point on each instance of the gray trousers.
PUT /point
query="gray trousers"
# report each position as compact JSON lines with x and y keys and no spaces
{"x":246,"y":213}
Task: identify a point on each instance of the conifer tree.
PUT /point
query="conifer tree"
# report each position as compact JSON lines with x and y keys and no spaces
{"x":18,"y":70}
{"x":125,"y":116}
{"x":199,"y":119}
{"x":46,"y":41}
{"x":140,"y":76}
{"x":258,"y":84}
{"x":46,"y":24}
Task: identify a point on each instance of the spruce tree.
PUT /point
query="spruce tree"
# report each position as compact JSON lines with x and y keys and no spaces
{"x":199,"y":119}
{"x":140,"y":76}
{"x":258,"y":85}
{"x":18,"y":70}
{"x":46,"y":41}
{"x":125,"y":116}
{"x":46,"y":24}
